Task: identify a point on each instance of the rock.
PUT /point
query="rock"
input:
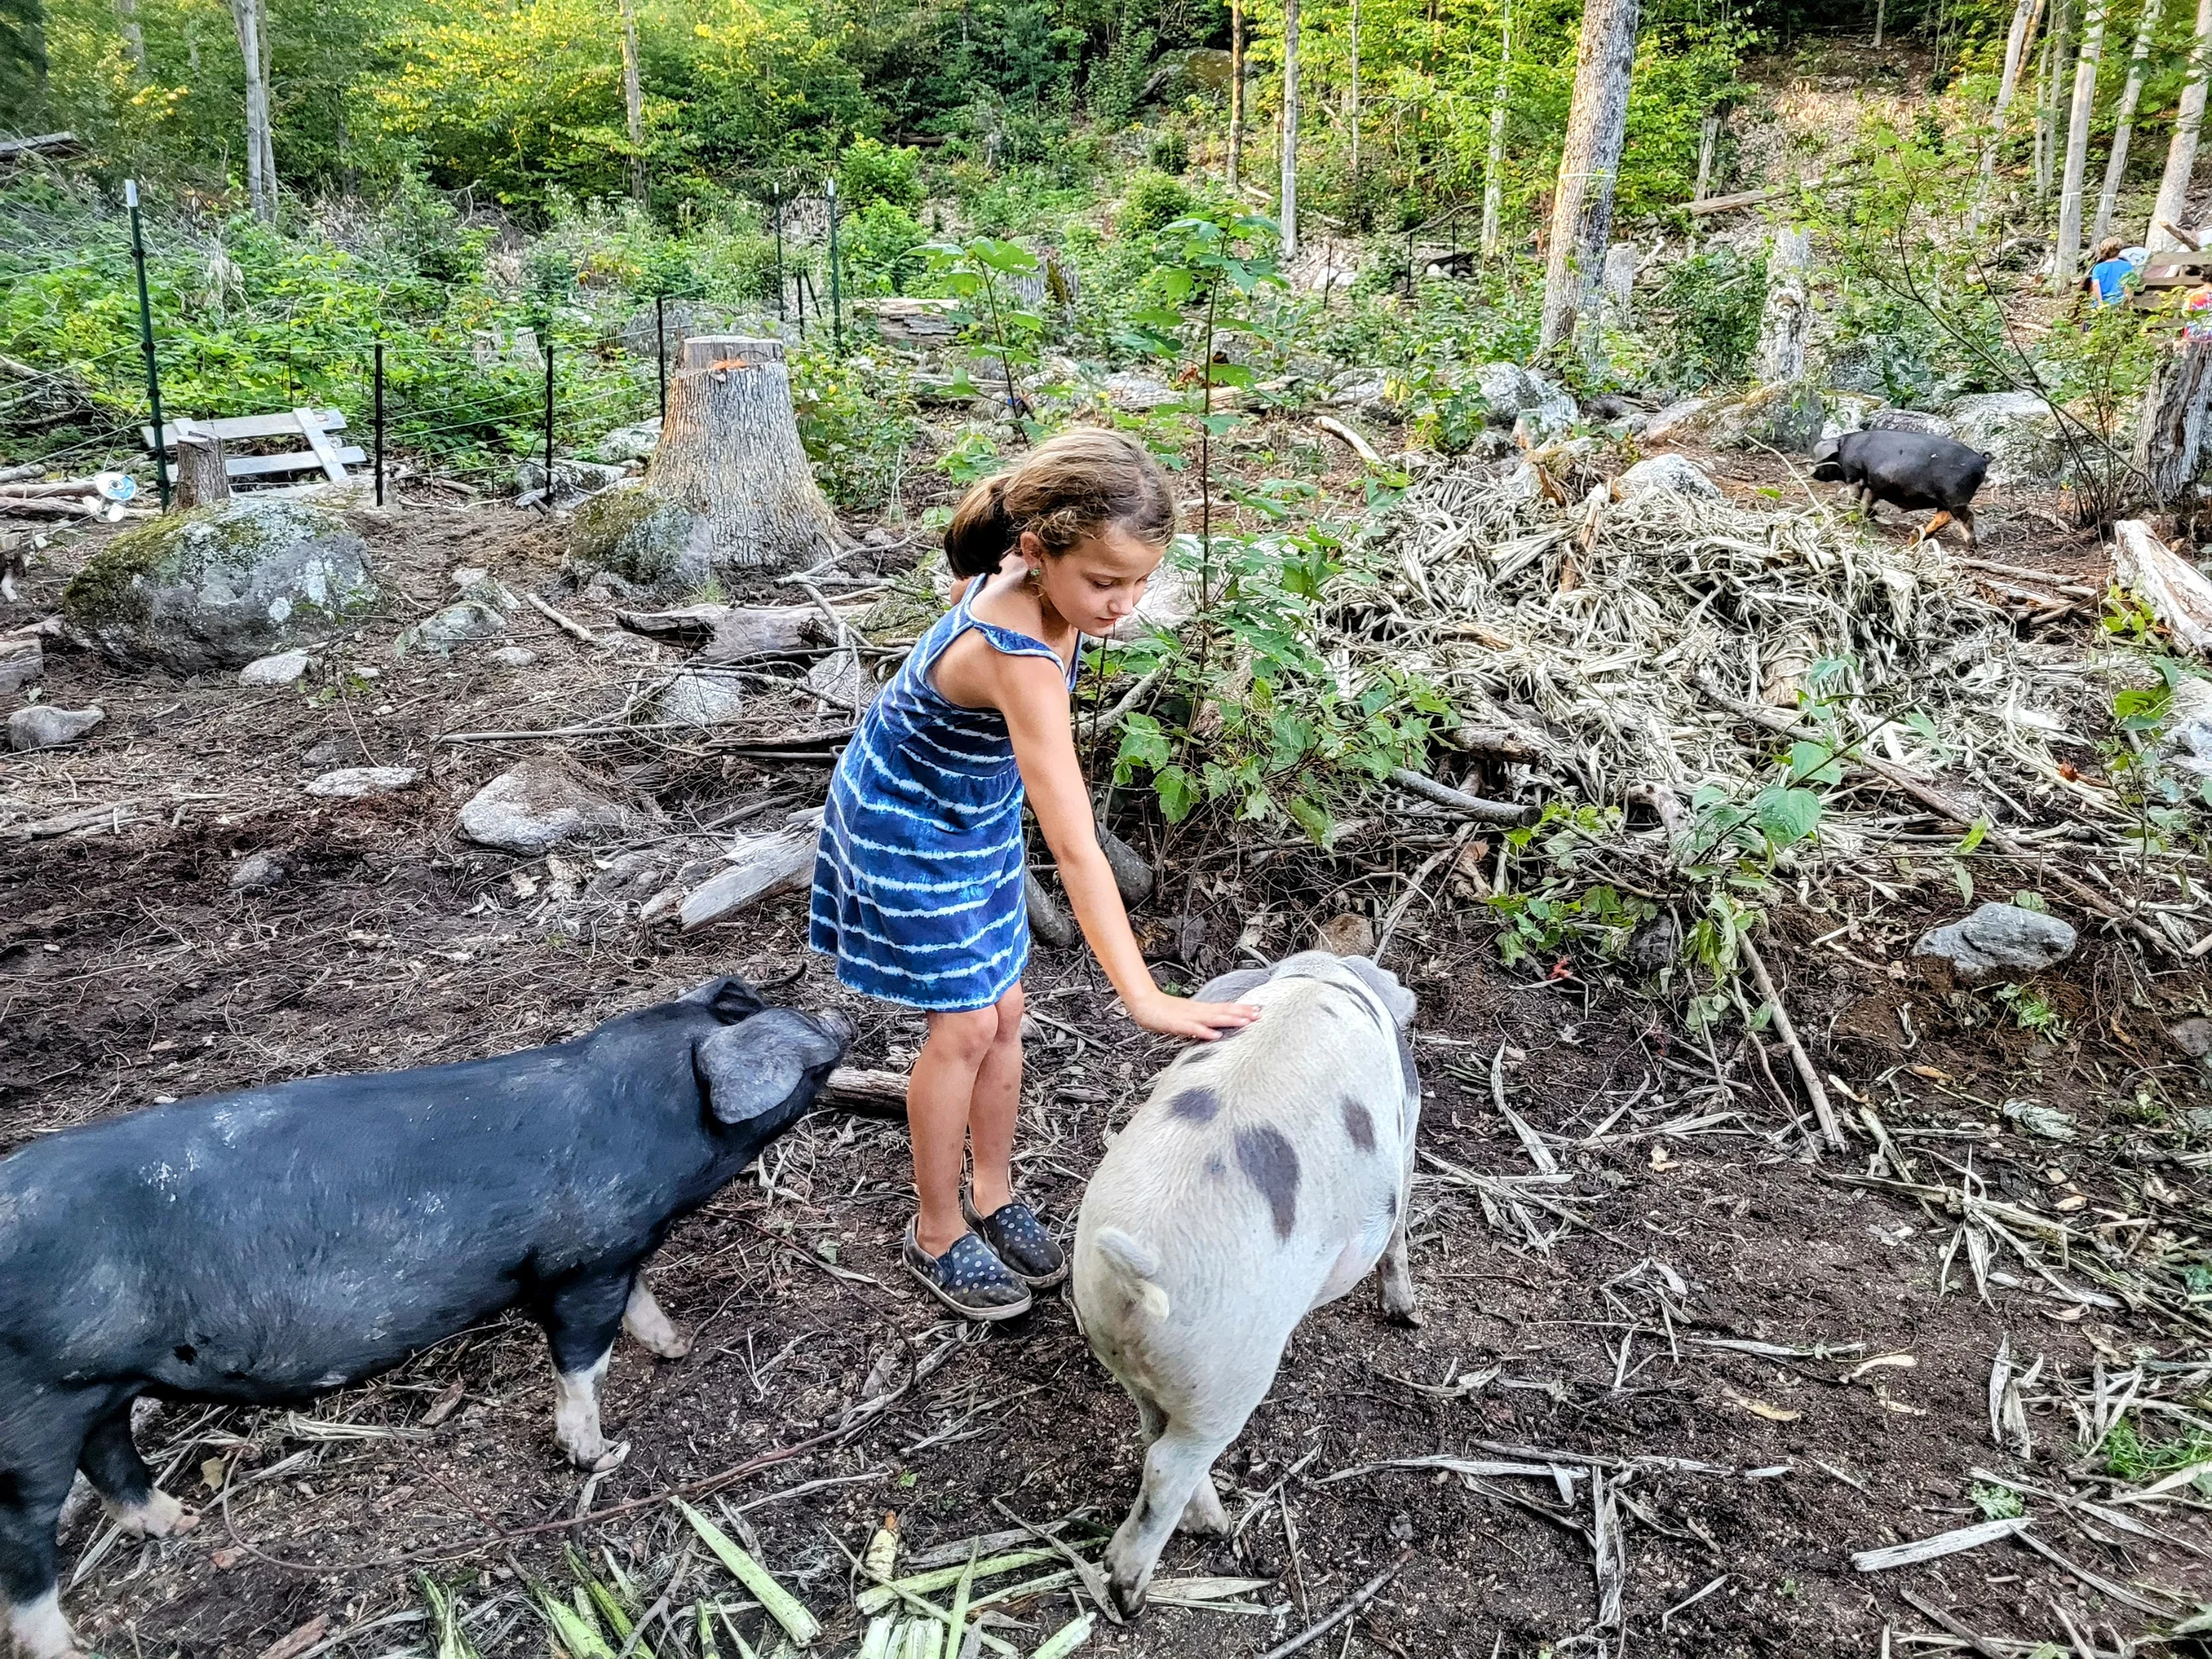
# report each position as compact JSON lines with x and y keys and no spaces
{"x":325,"y":752}
{"x":22,"y":660}
{"x":904,"y":319}
{"x":257,"y":871}
{"x":1349,"y":935}
{"x":573,"y":480}
{"x":2192,"y":1037}
{"x":1523,"y":483}
{"x":759,"y":867}
{"x":2037,"y":1119}
{"x":217,"y":586}
{"x":486,"y":588}
{"x":640,"y":867}
{"x":1047,"y":920}
{"x":1138,"y":392}
{"x":458,"y":625}
{"x":1907,"y":421}
{"x":533,"y":806}
{"x":1133,"y":876}
{"x":351,"y":783}
{"x":700,"y":697}
{"x":1786,"y":415}
{"x":1515,"y":396}
{"x":1672,"y":473}
{"x":1997,"y":942}
{"x":286,"y":668}
{"x":1365,"y":391}
{"x":629,"y":443}
{"x":1675,"y":416}
{"x":1657,"y":945}
{"x":514,"y":657}
{"x":842,"y":681}
{"x":2017,"y":431}
{"x":1856,"y":365}
{"x":41,"y":726}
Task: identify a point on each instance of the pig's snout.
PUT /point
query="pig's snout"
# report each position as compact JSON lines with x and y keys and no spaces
{"x":837,"y":1026}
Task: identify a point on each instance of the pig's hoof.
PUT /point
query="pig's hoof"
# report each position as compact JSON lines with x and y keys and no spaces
{"x":665,"y":1343}
{"x":1407,"y":1312}
{"x":613,"y":1457}
{"x":1203,"y":1513}
{"x":1128,"y":1597}
{"x":595,"y":1457}
{"x":160,"y":1515}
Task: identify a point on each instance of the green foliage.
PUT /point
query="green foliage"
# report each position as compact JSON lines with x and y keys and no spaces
{"x":1996,"y":1503}
{"x":856,"y":421}
{"x":2034,"y":1012}
{"x":1169,"y":152}
{"x":975,"y":272}
{"x":1711,"y":302}
{"x":1154,"y":201}
{"x":870,"y":171}
{"x":882,"y":248}
{"x":2130,"y":1455}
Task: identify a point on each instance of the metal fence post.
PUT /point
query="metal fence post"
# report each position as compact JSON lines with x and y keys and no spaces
{"x":146,"y":339}
{"x":549,"y":415}
{"x":779,"y":214}
{"x":837,"y":302}
{"x":660,"y":344}
{"x":380,"y":423}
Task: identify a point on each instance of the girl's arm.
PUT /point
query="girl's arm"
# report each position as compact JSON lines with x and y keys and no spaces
{"x":1033,"y":695}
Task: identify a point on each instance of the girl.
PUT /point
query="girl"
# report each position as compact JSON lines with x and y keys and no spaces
{"x":918,"y":886}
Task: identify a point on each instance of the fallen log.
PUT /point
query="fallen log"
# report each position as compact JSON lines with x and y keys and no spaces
{"x":760,"y":867}
{"x":1458,"y":800}
{"x":873,"y":1093}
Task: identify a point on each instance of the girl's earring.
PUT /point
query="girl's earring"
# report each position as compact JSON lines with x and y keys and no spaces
{"x":1035,"y":573}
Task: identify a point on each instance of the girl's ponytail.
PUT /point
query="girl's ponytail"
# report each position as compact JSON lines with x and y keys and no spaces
{"x":981,"y":532}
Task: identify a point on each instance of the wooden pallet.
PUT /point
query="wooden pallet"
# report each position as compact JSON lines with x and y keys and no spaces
{"x":311,"y":426}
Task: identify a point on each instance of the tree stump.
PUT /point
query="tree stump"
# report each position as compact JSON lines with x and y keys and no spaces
{"x":200,"y":477}
{"x":729,"y":492}
{"x":1787,"y":320}
{"x":2170,"y":437}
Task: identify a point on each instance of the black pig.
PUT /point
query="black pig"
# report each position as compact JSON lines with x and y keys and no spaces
{"x":265,"y":1246}
{"x":1906,"y":469}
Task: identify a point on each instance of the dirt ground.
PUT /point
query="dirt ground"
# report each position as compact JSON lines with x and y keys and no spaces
{"x":1737,"y":1359}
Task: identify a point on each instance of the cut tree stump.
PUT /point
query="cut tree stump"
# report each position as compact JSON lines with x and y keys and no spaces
{"x":2170,"y":438}
{"x":729,"y":492}
{"x":202,"y":479}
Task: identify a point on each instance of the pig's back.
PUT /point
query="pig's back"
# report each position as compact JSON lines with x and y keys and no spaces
{"x":352,"y":1218}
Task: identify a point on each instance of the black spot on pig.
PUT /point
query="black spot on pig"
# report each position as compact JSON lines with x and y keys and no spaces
{"x":1270,"y":1162}
{"x":1199,"y":1105}
{"x":1358,"y":1125}
{"x":1215,"y":1168}
{"x":1393,"y":1205}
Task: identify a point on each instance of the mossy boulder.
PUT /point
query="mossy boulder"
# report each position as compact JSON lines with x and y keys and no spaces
{"x":219,"y":587}
{"x":640,"y":538}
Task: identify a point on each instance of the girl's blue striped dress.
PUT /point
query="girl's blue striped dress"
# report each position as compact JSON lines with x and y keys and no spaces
{"x":918,"y":883}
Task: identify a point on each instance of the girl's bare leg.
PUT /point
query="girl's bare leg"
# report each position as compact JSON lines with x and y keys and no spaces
{"x":940,"y":1097}
{"x":996,"y":1108}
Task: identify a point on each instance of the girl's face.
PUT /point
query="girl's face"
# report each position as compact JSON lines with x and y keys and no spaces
{"x":1095,"y":584}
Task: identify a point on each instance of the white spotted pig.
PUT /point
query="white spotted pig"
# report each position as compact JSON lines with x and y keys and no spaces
{"x":1266,"y":1175}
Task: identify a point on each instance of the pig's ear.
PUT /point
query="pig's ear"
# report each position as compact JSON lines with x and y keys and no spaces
{"x":1230,"y":988}
{"x":752,"y":1069}
{"x":730,"y":997}
{"x":1385,"y":985}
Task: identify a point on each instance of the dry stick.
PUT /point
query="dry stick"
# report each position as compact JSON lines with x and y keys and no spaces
{"x":1357,"y":1600}
{"x":2087,"y":897}
{"x":1413,"y":888}
{"x":566,"y":624}
{"x":1831,"y":1130}
{"x":1459,"y":801}
{"x":1981,"y":1644}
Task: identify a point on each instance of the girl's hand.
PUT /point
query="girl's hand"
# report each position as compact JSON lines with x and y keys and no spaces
{"x":1180,"y":1016}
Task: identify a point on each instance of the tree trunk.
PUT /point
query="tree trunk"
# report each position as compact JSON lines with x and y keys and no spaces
{"x":1289,"y":215}
{"x":728,"y":491}
{"x":1621,"y":264}
{"x":632,"y":100}
{"x":1236,"y":91}
{"x":2066,"y":257}
{"x":248,"y":17}
{"x":2170,"y":437}
{"x":2025,"y":14}
{"x":1881,"y":17}
{"x":2123,"y":123}
{"x":201,"y":479}
{"x":1582,"y":204}
{"x":1494,"y":159}
{"x":134,"y":36}
{"x":2057,"y":40}
{"x":2181,"y":153}
{"x":1707,"y":150}
{"x":1787,"y":318}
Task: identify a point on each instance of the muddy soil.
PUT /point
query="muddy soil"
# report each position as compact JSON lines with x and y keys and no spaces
{"x":1767,"y":1363}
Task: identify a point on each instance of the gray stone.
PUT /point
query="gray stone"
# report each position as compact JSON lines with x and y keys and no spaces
{"x":351,"y":783}
{"x":1366,"y":391}
{"x":325,"y":752}
{"x":1908,"y":421}
{"x":514,"y":657}
{"x":256,"y":871}
{"x":573,"y":480}
{"x":1683,"y":412}
{"x":629,"y":443}
{"x":842,"y":681}
{"x":22,"y":660}
{"x":700,"y":697}
{"x":1515,"y":397}
{"x":534,"y":806}
{"x":2192,"y":1037}
{"x":1997,"y":942}
{"x":1133,"y":876}
{"x":42,"y":725}
{"x":462,"y":624}
{"x":2017,"y":431}
{"x":286,"y":668}
{"x":1856,"y":365}
{"x":217,"y":586}
{"x":1348,"y":934}
{"x":1672,"y":472}
{"x":1138,"y":392}
{"x":1786,"y":415}
{"x":2049,"y":1122}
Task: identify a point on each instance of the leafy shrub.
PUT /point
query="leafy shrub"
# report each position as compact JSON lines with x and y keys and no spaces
{"x":856,"y":421}
{"x":870,"y":171}
{"x":1711,"y":301}
{"x":881,"y":246}
{"x":1171,"y":153}
{"x":1154,"y":201}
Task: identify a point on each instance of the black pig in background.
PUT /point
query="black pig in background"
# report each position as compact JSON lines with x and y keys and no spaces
{"x":264,"y":1247}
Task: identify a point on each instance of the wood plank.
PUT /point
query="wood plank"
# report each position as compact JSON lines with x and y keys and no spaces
{"x":298,"y":461}
{"x":280,"y":426}
{"x":41,"y":142}
{"x":311,"y":429}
